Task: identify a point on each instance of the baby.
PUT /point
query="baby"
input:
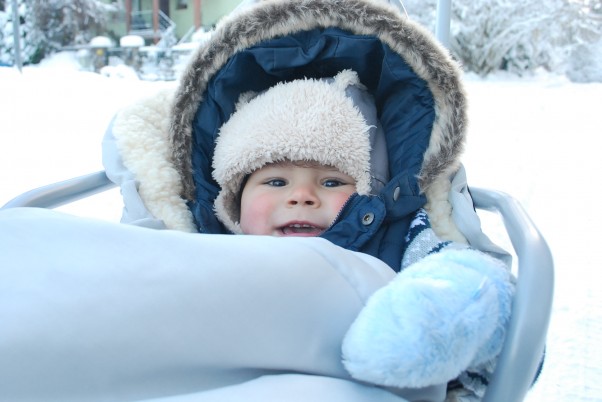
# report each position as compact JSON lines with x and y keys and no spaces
{"x":288,"y":159}
{"x":305,"y":158}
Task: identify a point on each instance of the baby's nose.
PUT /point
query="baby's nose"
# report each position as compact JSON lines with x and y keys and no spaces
{"x":303,"y":195}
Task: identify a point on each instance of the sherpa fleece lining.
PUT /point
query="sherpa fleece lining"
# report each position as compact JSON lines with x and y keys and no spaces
{"x":140,"y":131}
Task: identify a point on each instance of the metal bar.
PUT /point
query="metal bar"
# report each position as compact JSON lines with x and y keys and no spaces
{"x":155,"y":19}
{"x":16,"y":36}
{"x":443,"y":21}
{"x":64,"y":192}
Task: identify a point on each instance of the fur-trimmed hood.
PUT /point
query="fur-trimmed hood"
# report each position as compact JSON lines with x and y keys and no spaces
{"x":415,"y":83}
{"x":362,"y":18}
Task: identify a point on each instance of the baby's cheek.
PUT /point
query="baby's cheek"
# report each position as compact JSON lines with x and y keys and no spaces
{"x":255,"y":216}
{"x":340,"y":200}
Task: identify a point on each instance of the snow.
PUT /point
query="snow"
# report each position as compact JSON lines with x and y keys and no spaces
{"x":533,"y":137}
{"x":101,"y":41}
{"x":131,"y":41}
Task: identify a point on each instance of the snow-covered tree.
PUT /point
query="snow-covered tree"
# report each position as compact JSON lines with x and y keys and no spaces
{"x":519,"y":36}
{"x":585,"y":60}
{"x":29,"y":36}
{"x":489,"y":35}
{"x":48,"y":25}
{"x":69,"y":22}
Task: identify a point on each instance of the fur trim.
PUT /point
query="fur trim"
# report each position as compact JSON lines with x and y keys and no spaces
{"x":141,"y":134}
{"x":302,"y":120}
{"x":272,"y":18}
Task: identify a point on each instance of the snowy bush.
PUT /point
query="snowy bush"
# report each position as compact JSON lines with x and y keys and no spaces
{"x":490,"y":35}
{"x":585,"y":63}
{"x":520,"y":36}
{"x":422,"y":11}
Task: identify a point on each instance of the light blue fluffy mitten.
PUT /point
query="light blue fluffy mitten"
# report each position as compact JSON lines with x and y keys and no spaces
{"x":440,"y":316}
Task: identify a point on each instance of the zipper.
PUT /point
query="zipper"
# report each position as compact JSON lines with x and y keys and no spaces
{"x":353,"y":199}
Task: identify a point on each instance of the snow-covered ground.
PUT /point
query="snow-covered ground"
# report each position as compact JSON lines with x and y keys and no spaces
{"x":533,"y":137}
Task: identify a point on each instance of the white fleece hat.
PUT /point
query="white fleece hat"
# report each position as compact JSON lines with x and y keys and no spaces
{"x":301,"y":120}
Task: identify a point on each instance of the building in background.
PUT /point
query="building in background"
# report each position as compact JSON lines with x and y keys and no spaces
{"x":155,"y":20}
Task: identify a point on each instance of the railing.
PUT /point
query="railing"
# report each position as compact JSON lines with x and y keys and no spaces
{"x":187,"y":35}
{"x":142,"y":24}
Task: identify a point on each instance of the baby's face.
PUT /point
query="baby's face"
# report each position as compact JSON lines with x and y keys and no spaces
{"x":289,"y":200}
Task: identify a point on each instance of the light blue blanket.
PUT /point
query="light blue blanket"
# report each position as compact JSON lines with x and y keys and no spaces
{"x":99,"y":311}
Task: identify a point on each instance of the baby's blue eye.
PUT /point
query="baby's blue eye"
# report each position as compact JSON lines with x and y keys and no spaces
{"x":276,"y":183}
{"x":332,"y":183}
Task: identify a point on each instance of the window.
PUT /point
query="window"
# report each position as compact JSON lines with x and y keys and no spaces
{"x":182,"y":5}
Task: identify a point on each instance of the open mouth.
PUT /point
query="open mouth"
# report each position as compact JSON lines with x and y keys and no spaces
{"x":301,"y":229}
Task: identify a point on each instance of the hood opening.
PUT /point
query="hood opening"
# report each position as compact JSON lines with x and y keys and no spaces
{"x":404,"y":101}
